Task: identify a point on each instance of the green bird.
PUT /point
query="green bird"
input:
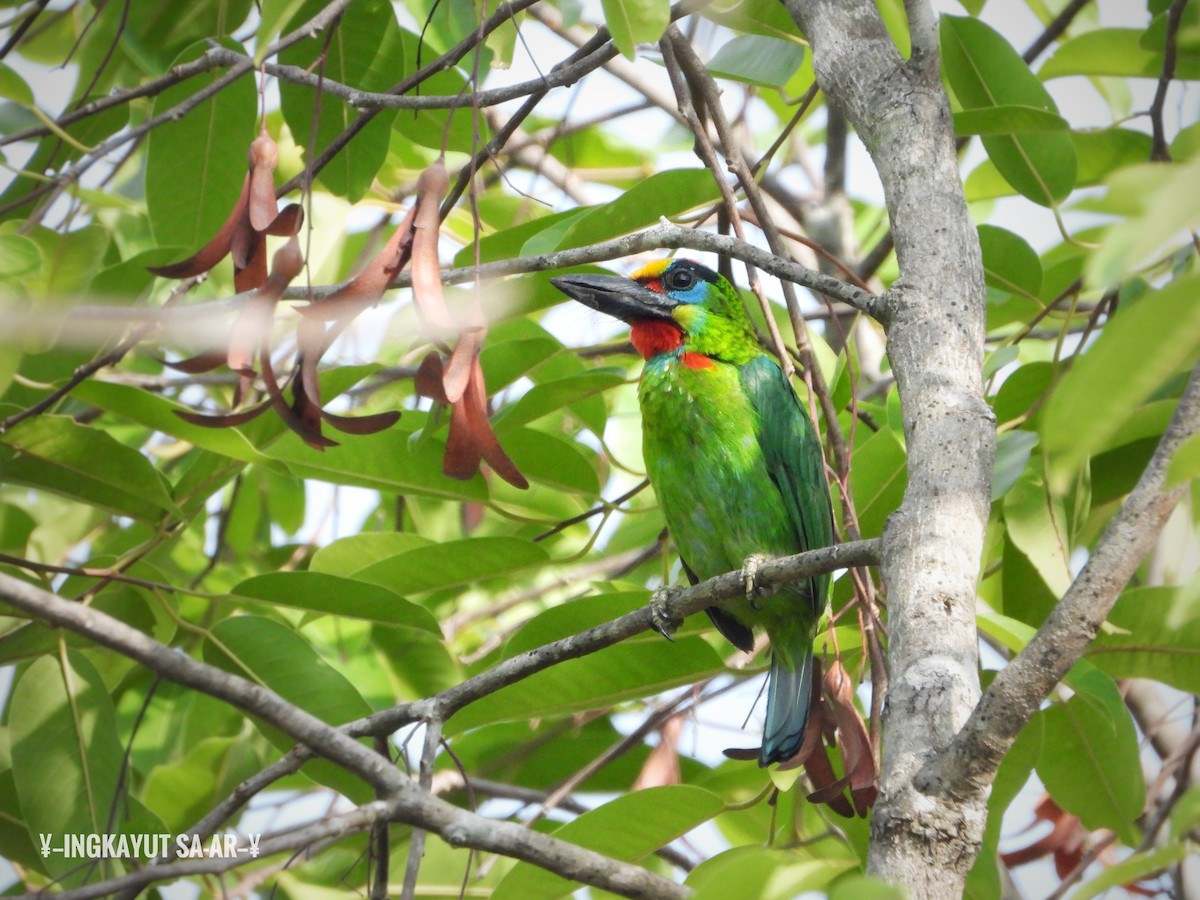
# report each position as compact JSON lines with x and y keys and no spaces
{"x":734,"y":460}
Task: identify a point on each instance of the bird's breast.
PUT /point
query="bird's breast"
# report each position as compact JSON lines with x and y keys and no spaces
{"x":700,"y":441}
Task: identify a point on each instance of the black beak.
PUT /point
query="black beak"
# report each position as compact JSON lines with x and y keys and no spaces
{"x":621,"y":298}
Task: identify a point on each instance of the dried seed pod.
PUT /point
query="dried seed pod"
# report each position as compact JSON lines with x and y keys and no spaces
{"x":426,"y":273}
{"x":253,"y":324}
{"x":263,"y":206}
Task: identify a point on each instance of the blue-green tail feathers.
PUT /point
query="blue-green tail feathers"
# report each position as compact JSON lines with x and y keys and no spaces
{"x":789,"y":694}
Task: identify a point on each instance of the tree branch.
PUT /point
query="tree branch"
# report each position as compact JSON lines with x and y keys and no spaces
{"x":1161,"y":152}
{"x":410,"y":803}
{"x":970,"y":762}
{"x":407,"y":802}
{"x":934,"y":316}
{"x":666,"y":235}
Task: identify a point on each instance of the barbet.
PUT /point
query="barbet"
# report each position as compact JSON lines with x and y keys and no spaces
{"x":733,"y":458}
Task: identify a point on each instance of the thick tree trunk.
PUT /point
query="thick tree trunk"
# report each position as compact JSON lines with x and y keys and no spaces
{"x":934,"y":317}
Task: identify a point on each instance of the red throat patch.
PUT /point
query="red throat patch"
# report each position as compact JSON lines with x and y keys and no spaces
{"x":655,"y":336}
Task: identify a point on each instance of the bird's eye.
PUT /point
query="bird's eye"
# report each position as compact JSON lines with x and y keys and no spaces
{"x":680,"y":280}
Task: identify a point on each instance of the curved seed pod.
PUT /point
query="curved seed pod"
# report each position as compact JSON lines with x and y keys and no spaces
{"x":253,"y":324}
{"x":463,"y":455}
{"x":462,"y":359}
{"x":228,"y":420}
{"x":426,"y":275}
{"x":367,"y":286}
{"x":289,"y":220}
{"x":263,"y":206}
{"x":858,"y":762}
{"x":198,"y":364}
{"x":368,"y":424}
{"x":475,"y":401}
{"x":312,"y":437}
{"x":428,"y":379}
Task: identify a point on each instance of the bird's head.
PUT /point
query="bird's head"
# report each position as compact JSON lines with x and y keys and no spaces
{"x":671,"y":304}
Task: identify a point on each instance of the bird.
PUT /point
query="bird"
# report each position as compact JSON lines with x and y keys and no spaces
{"x":734,"y":460}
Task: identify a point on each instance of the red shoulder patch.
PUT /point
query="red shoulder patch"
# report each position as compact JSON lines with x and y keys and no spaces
{"x":694,"y":360}
{"x":655,"y":336}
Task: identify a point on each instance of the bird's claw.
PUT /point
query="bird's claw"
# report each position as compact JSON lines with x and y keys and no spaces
{"x":665,"y":620}
{"x":750,"y":567}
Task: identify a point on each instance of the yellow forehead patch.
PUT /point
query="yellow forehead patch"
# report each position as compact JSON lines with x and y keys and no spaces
{"x":652,"y":270}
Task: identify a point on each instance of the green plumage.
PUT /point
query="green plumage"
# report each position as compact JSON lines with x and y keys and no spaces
{"x":734,"y":461}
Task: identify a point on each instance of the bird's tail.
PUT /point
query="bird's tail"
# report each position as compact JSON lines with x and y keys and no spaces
{"x":789,"y":693}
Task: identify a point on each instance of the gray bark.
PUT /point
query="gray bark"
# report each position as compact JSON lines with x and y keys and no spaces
{"x":934,"y":317}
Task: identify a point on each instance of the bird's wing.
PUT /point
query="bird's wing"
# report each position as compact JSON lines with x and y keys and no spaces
{"x":792,"y":450}
{"x":729,"y":627}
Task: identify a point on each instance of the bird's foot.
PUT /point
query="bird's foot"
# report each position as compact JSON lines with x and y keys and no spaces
{"x":665,"y":620}
{"x":750,"y":567}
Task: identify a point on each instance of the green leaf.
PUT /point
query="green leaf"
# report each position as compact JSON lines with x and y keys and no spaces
{"x":1012,"y":119}
{"x":69,"y":260}
{"x":566,"y":619}
{"x":985,"y":72}
{"x":454,"y":563}
{"x":1090,"y":762}
{"x":1132,"y":358}
{"x":549,"y":396}
{"x":185,"y":788}
{"x":1132,"y":869}
{"x":1185,"y":464}
{"x":879,"y":479}
{"x":864,"y":887}
{"x":1009,"y":263}
{"x":417,"y":660}
{"x":66,"y":755}
{"x":321,"y":592}
{"x":765,"y":17}
{"x":1011,"y":777}
{"x":16,"y":525}
{"x":633,"y":22}
{"x":504,"y":361}
{"x":86,"y":464}
{"x":1163,"y":205}
{"x":136,"y":405}
{"x":362,"y":49}
{"x":622,"y":672}
{"x":1186,"y":814}
{"x":1148,"y":640}
{"x":13,"y":87}
{"x":755,"y":59}
{"x":19,"y":257}
{"x":553,"y":461}
{"x":1103,"y":152}
{"x":273,"y":655}
{"x":1012,"y":454}
{"x":628,"y":828}
{"x":438,"y":129}
{"x":1037,"y":524}
{"x":764,"y":873}
{"x":667,"y":193}
{"x":195,"y":166}
{"x":350,"y":555}
{"x":387,"y":461}
{"x":1113,"y":51}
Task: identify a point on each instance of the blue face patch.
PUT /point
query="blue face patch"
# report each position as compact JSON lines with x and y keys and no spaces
{"x":686,"y":281}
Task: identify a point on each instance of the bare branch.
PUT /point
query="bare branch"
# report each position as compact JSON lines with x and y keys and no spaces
{"x":1160,"y":149}
{"x":676,"y":603}
{"x":406,"y":802}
